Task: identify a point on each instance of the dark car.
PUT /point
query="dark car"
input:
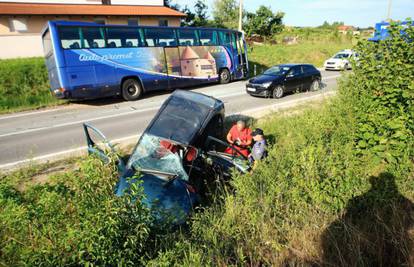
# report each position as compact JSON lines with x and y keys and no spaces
{"x":281,"y":79}
{"x":177,"y":154}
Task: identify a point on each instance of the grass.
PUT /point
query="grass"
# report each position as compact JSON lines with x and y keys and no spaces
{"x":24,"y":83}
{"x":310,"y":196}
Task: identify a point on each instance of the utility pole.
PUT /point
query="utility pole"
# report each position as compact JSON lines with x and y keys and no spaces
{"x":389,"y":10}
{"x":241,"y":15}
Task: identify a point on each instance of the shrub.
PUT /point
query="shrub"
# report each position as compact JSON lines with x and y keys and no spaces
{"x":76,"y":219}
{"x":383,"y":92}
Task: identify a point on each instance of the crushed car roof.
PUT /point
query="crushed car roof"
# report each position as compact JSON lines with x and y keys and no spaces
{"x":182,"y":116}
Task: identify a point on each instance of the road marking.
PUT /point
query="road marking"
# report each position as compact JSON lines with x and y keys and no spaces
{"x":63,"y":154}
{"x":78,"y":151}
{"x":5,"y":117}
{"x":115,"y":115}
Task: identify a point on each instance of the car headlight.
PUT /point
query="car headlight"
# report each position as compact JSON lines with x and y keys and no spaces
{"x":267,"y":85}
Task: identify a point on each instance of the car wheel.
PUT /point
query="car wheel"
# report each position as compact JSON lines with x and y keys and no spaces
{"x":224,"y":76}
{"x":278,"y":92}
{"x":131,"y":90}
{"x":316,"y":85}
{"x":346,"y":67}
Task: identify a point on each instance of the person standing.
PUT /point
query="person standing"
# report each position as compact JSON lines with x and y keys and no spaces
{"x":240,"y":137}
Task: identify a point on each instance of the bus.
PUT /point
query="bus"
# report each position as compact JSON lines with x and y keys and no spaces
{"x":88,"y":60}
{"x":381,"y":30}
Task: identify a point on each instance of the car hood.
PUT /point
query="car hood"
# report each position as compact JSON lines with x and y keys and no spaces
{"x":336,"y":60}
{"x":169,"y":201}
{"x":264,"y":79}
{"x":182,"y":115}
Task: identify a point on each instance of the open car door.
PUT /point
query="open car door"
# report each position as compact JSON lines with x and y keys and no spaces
{"x":227,"y":161}
{"x":98,"y":145}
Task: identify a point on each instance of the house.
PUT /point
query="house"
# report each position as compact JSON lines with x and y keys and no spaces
{"x":194,"y":66}
{"x":21,"y":21}
{"x":344,"y":29}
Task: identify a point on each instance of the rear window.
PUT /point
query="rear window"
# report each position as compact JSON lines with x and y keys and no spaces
{"x":47,"y":43}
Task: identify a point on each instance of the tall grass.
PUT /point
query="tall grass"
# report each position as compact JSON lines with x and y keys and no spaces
{"x":24,"y":85}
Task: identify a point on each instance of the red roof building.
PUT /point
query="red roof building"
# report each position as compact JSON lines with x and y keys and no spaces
{"x":21,"y":21}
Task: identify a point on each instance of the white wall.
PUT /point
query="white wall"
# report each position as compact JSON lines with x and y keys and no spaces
{"x":114,"y":2}
{"x":20,"y":46}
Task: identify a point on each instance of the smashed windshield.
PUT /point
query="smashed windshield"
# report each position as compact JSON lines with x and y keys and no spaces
{"x":157,"y":154}
{"x":342,"y":56}
{"x":276,"y":70}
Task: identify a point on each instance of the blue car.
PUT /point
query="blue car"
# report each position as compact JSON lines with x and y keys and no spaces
{"x":177,"y":155}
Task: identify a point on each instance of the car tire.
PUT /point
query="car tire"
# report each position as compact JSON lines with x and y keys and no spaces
{"x":131,"y":90}
{"x":315,"y":86}
{"x":346,"y":67}
{"x":224,"y":76}
{"x":278,"y":92}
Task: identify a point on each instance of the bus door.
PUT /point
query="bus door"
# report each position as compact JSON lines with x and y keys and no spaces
{"x":238,"y":56}
{"x":172,"y":59}
{"x":243,"y":54}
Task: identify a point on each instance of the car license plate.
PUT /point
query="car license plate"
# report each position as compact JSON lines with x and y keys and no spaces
{"x":251,"y":89}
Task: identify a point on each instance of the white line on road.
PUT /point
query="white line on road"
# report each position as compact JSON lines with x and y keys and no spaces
{"x":64,"y":154}
{"x":113,"y":115}
{"x":82,"y":150}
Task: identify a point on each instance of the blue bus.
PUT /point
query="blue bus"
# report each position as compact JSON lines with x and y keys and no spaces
{"x":88,"y":60}
{"x":381,"y":30}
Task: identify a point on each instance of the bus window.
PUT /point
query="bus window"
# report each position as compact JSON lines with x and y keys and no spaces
{"x":225,"y":38}
{"x":69,"y":37}
{"x":187,"y":37}
{"x":160,"y":37}
{"x":208,"y":37}
{"x":93,"y":37}
{"x":122,"y":37}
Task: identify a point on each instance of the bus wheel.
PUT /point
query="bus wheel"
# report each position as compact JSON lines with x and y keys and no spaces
{"x":131,"y":89}
{"x":224,"y":76}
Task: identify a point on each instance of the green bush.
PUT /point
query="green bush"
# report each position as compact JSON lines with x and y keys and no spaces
{"x":24,"y":84}
{"x":383,"y":89}
{"x":75,"y":219}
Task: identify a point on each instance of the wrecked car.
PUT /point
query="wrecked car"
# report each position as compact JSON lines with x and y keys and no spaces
{"x":177,"y":155}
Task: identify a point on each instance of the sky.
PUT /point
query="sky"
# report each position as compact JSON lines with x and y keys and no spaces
{"x":361,"y":13}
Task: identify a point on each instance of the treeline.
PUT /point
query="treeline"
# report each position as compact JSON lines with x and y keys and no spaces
{"x":225,"y":14}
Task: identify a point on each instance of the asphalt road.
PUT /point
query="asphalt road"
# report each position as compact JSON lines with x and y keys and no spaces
{"x":55,"y":133}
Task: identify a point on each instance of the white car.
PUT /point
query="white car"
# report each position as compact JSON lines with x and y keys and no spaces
{"x":341,"y":61}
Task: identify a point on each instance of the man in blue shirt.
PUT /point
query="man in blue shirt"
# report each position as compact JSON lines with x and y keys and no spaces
{"x":259,"y":148}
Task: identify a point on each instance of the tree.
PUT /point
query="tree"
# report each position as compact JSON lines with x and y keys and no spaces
{"x":225,"y":13}
{"x":264,"y":22}
{"x":200,"y":13}
{"x":168,"y":3}
{"x":197,"y":19}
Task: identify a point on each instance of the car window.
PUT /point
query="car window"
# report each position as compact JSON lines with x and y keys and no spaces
{"x":295,"y":71}
{"x":308,"y":69}
{"x":276,"y":70}
{"x":342,"y":55}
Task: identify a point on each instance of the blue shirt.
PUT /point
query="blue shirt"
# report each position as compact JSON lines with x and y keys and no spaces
{"x":259,"y":150}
